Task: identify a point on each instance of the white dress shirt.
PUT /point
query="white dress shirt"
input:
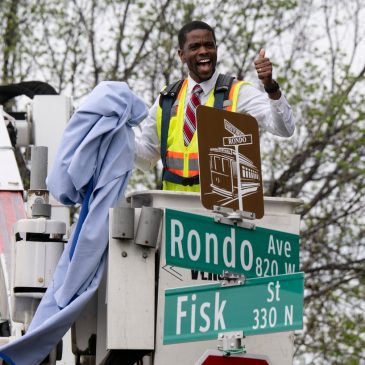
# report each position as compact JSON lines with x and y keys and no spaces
{"x":274,"y":116}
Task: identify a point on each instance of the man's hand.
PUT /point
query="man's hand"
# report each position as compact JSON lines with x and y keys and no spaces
{"x":264,"y":68}
{"x":264,"y":73}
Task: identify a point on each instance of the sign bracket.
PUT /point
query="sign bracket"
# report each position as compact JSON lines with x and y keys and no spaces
{"x":233,"y":217}
{"x":231,"y":343}
{"x":232,"y":279}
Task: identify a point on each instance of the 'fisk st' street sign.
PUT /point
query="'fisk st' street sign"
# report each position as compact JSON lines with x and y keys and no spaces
{"x":262,"y":305}
{"x":197,"y":242}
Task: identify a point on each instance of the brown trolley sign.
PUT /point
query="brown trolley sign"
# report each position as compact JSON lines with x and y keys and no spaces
{"x":229,"y":161}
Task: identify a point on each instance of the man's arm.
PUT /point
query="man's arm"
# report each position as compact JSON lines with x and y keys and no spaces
{"x":147,"y":146}
{"x":270,"y":108}
{"x":274,"y":116}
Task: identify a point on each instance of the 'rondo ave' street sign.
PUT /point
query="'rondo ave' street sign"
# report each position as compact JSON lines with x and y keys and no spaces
{"x":262,"y":305}
{"x":214,"y":357}
{"x":197,"y":242}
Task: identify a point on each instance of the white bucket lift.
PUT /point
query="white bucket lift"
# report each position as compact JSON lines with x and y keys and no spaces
{"x":36,"y":248}
{"x":132,"y":276}
{"x":30,"y":248}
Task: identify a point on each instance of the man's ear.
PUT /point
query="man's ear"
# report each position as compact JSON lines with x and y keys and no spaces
{"x":181,"y":55}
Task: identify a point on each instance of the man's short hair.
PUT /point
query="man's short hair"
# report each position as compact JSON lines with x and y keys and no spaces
{"x":187,"y":28}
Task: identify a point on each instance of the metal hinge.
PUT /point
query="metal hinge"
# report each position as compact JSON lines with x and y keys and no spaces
{"x":231,"y":342}
{"x":232,"y":279}
{"x":233,"y":217}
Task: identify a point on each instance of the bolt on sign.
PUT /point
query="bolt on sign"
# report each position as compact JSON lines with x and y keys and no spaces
{"x":197,"y":242}
{"x":262,"y":305}
{"x":229,"y":160}
{"x":215,"y":357}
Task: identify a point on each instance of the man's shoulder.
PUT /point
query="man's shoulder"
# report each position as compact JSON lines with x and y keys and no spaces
{"x":170,"y":92}
{"x":172,"y":88}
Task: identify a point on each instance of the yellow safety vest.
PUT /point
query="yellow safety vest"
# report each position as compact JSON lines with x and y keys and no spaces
{"x":180,"y":159}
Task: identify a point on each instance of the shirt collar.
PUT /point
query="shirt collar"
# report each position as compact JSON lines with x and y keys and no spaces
{"x":207,"y":86}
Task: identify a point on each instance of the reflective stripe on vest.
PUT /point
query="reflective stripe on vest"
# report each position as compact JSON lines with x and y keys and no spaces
{"x":193,"y":164}
{"x":180,"y":159}
{"x":175,"y":163}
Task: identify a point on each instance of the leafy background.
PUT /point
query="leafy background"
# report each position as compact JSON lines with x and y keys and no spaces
{"x":317,"y":47}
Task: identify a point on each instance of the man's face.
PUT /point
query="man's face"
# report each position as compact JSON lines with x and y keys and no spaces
{"x":200,"y":54}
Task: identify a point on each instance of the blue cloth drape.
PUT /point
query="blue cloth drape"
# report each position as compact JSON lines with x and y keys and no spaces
{"x":97,"y":148}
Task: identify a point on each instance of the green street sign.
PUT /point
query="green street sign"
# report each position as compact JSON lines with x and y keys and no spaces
{"x":262,"y":305}
{"x":197,"y":242}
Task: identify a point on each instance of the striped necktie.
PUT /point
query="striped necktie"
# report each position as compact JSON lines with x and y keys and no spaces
{"x":190,"y":117}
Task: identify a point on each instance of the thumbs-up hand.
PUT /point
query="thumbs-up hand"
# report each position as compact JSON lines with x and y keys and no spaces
{"x":263,"y":68}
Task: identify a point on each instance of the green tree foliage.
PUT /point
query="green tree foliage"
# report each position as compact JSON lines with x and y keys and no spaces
{"x":317,"y":47}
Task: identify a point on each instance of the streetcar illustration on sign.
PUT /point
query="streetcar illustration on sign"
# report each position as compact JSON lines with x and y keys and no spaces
{"x":229,"y":160}
{"x":230,"y":168}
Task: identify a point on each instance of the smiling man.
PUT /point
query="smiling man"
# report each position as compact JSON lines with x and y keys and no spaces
{"x":169,"y":131}
{"x":199,"y":51}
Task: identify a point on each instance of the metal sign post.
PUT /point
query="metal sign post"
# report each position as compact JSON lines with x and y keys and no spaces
{"x":240,"y":203}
